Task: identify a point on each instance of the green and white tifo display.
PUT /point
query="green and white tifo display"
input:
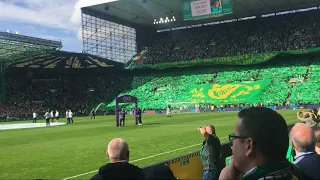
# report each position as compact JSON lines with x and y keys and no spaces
{"x":284,"y":80}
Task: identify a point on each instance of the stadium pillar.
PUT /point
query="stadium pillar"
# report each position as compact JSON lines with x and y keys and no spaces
{"x":2,"y":84}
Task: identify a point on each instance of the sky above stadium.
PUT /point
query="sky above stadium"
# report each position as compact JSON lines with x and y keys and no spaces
{"x":49,"y":19}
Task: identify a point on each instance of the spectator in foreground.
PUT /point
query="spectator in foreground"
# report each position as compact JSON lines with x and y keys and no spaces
{"x":119,"y":167}
{"x":308,"y":118}
{"x":159,"y":172}
{"x":210,"y":153}
{"x":260,"y":143}
{"x":316,"y":131}
{"x":303,"y":142}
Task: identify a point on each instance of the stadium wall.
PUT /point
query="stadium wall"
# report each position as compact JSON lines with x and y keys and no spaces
{"x":189,"y":166}
{"x":2,"y":88}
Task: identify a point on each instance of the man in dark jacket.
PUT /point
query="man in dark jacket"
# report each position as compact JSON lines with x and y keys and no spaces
{"x":122,"y":117}
{"x":259,"y":147}
{"x":119,"y":167}
{"x":93,"y":112}
{"x":138,"y":117}
{"x":303,"y":142}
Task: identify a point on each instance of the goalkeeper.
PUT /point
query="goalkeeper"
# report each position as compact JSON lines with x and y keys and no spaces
{"x":168,"y":111}
{"x":93,"y":114}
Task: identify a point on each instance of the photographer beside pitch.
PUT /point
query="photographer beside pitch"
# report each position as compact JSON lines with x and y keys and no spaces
{"x":210,"y":153}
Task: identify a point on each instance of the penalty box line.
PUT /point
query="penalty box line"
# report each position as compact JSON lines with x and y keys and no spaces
{"x":148,"y":157}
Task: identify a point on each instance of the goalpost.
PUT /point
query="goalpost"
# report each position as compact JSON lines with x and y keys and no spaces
{"x":101,"y":108}
{"x":185,"y":106}
{"x":126,"y":99}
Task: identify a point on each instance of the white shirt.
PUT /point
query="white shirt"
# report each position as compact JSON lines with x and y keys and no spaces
{"x":51,"y":114}
{"x":34,"y":115}
{"x":47,"y":115}
{"x":67,"y":114}
{"x":57,"y":114}
{"x":70,"y":114}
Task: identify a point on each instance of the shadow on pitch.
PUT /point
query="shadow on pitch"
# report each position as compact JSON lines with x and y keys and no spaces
{"x":150,"y":124}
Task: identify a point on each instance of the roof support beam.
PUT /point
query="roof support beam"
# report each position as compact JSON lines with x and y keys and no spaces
{"x":262,"y":1}
{"x":174,"y":10}
{"x":244,"y":7}
{"x":291,"y":4}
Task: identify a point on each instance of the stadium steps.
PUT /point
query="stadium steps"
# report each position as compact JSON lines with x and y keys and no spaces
{"x":289,"y":94}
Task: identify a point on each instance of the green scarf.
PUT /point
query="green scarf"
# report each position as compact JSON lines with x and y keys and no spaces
{"x":289,"y":156}
{"x":270,"y":170}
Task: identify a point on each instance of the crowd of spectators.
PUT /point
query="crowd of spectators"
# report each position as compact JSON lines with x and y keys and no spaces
{"x":27,"y":94}
{"x":156,"y":90}
{"x":279,"y":33}
{"x":262,"y":148}
{"x":260,"y":35}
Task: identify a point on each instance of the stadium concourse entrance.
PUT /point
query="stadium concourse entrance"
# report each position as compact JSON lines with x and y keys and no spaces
{"x":125,"y":99}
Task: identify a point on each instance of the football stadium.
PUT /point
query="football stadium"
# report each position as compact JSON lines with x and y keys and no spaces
{"x":157,"y":74}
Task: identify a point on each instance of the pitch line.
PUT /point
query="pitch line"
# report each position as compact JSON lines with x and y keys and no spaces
{"x":148,"y":157}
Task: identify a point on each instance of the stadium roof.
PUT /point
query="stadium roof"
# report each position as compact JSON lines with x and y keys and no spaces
{"x":19,"y":51}
{"x":143,"y":12}
{"x":15,"y":47}
{"x":65,"y":60}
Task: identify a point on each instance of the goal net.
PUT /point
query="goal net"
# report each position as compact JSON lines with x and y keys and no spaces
{"x":100,"y":109}
{"x":184,"y":107}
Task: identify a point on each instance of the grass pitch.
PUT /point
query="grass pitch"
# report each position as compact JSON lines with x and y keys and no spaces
{"x":71,"y":150}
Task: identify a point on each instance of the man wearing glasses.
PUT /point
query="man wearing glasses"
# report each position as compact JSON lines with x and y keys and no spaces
{"x":259,"y":147}
{"x":210,"y":153}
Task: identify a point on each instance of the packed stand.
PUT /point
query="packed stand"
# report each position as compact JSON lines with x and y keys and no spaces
{"x":308,"y":91}
{"x":27,"y":94}
{"x":157,"y":90}
{"x":277,"y":92}
{"x":261,"y":35}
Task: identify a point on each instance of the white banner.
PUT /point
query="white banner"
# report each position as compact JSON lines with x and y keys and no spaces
{"x":201,"y":7}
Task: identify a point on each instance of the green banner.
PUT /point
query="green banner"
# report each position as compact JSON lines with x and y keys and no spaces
{"x":201,"y":9}
{"x":233,"y":93}
{"x":247,"y":59}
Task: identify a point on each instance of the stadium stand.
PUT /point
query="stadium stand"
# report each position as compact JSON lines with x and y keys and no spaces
{"x":157,"y":89}
{"x":59,"y":92}
{"x":261,"y":35}
{"x":307,"y":92}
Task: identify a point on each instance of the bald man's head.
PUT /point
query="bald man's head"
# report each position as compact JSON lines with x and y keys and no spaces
{"x":118,"y":150}
{"x":302,"y":138}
